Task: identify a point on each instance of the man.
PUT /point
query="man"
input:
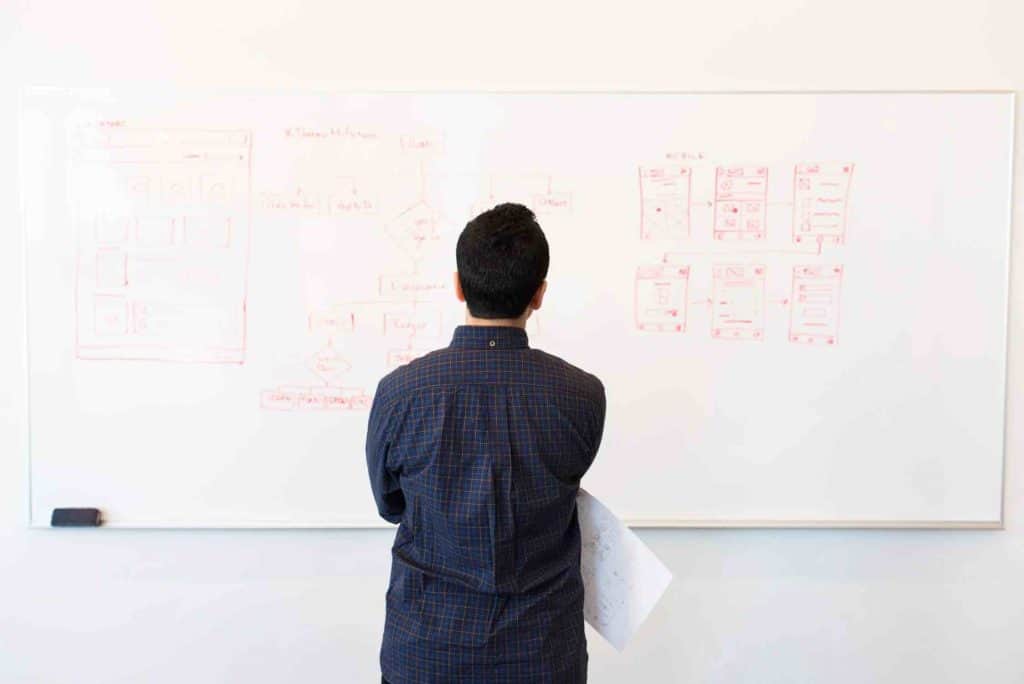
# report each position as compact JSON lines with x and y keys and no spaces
{"x":477,"y":451}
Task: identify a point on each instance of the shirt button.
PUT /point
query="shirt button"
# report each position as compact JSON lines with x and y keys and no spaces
{"x":491,"y":343}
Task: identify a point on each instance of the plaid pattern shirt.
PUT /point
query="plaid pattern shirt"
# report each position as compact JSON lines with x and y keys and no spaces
{"x":477,"y":451}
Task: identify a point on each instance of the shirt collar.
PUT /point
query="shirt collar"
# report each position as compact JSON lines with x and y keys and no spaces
{"x":489,"y":337}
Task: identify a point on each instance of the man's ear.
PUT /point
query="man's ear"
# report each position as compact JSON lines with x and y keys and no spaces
{"x":459,"y":294}
{"x":538,"y":296}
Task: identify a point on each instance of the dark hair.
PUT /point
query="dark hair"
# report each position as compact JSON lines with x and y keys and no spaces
{"x":502,"y":257}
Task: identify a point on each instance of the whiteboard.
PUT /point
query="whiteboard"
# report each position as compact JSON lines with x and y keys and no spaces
{"x":797,"y":302}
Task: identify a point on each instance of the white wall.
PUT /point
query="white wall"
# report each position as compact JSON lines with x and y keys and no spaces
{"x":307,"y":606}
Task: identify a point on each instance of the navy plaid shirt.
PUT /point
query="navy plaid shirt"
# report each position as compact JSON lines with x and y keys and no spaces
{"x":477,"y":451}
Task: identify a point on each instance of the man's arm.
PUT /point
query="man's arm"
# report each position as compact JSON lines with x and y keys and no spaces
{"x":384,"y":482}
{"x":596,"y":424}
{"x":599,"y":421}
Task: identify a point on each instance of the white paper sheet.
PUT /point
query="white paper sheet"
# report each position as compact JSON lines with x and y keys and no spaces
{"x":622,"y":578}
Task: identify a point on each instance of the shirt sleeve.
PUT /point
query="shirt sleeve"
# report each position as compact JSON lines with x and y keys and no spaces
{"x":596,"y":424}
{"x":599,"y":420}
{"x":384,"y":480}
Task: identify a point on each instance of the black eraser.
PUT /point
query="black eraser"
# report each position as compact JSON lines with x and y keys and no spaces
{"x":75,"y":517}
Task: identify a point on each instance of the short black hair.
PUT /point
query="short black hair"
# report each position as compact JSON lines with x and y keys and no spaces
{"x":502,"y":257}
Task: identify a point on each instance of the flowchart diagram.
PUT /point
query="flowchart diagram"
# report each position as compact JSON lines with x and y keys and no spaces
{"x":403,"y":316}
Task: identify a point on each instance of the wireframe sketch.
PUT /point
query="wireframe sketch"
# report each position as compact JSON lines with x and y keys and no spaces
{"x":664,"y":202}
{"x":162,"y":222}
{"x":738,"y":302}
{"x":814,"y":308}
{"x":741,"y":198}
{"x":660,"y":298}
{"x":820,"y":199}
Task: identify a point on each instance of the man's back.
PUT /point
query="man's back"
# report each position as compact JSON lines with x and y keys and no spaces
{"x":477,"y":450}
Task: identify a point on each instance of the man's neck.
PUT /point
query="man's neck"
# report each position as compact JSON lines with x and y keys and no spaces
{"x":497,"y":322}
